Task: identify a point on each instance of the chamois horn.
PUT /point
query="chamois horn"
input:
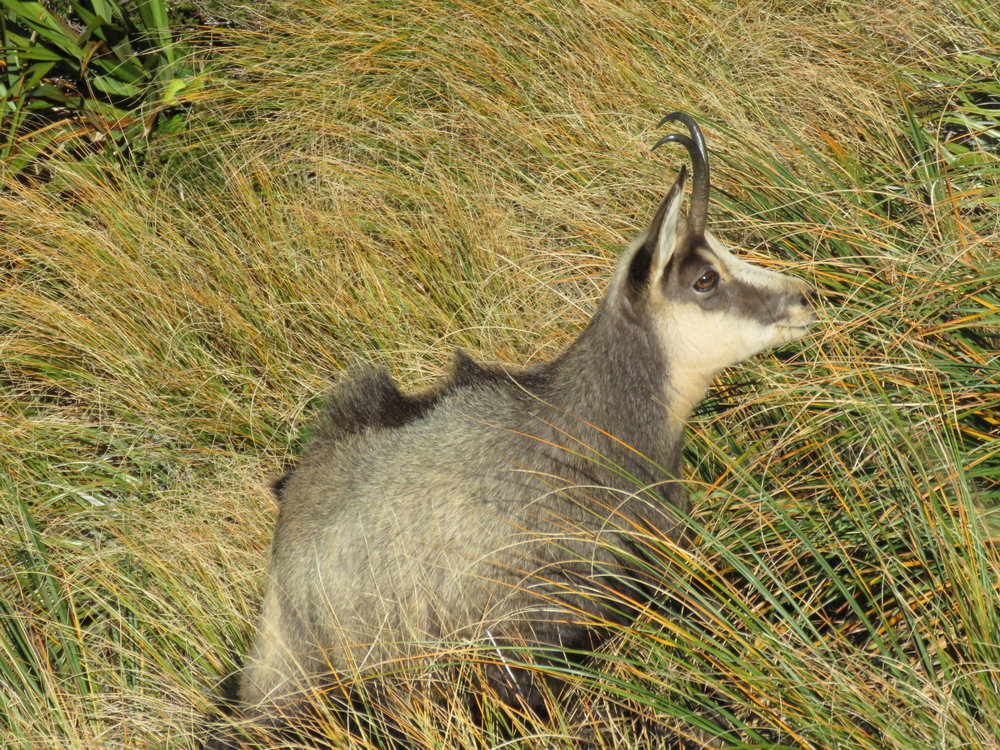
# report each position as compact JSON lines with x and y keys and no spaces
{"x":695,"y":144}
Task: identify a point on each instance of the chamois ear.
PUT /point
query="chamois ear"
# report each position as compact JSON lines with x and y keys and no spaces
{"x":660,"y":240}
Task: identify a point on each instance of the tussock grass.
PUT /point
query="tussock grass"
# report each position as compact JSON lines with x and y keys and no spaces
{"x":373,"y":181}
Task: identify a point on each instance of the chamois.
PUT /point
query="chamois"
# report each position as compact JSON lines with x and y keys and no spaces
{"x":495,"y":509}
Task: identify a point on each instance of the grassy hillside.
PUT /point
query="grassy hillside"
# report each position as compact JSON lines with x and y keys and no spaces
{"x":376,"y":181}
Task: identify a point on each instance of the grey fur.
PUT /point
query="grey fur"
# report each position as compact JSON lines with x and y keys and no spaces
{"x":494,"y":508}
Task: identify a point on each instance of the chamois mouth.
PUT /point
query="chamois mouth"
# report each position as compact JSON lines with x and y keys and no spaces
{"x":794,"y":331}
{"x":798,"y":321}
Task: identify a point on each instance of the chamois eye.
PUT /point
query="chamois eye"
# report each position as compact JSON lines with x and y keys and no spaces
{"x":707,"y":281}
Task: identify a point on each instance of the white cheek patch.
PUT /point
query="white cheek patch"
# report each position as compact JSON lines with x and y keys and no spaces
{"x":703,"y":342}
{"x":699,"y":344}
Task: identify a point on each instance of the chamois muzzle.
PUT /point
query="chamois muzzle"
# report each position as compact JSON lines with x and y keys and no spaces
{"x":695,"y":144}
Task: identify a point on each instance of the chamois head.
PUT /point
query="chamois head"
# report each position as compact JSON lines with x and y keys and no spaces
{"x":708,"y":308}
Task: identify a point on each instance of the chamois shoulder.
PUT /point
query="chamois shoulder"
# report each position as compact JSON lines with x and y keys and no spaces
{"x":467,"y":372}
{"x":371,"y":400}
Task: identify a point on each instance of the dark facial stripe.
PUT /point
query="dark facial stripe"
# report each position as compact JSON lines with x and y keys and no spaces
{"x":733,"y":296}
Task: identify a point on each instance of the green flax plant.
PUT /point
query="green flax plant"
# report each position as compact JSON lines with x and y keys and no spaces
{"x":100,"y":72}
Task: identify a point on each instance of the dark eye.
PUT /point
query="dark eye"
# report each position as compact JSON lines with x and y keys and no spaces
{"x":707,"y":281}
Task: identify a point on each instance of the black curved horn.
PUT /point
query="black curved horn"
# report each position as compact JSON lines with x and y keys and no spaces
{"x":695,"y":145}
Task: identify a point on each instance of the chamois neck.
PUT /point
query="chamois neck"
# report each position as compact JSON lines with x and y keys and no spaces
{"x":616,"y":377}
{"x":684,"y":391}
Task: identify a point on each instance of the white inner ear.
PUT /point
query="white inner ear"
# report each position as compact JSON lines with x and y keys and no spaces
{"x":666,"y":239}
